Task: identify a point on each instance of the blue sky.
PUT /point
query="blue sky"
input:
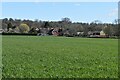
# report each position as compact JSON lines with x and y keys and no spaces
{"x":54,"y":11}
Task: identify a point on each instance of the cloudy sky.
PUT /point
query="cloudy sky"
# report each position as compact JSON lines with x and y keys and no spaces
{"x":54,"y":11}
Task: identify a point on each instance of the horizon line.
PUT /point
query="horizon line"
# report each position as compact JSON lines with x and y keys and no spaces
{"x":58,"y":20}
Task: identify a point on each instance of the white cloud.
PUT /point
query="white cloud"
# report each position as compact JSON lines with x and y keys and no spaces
{"x":113,"y":12}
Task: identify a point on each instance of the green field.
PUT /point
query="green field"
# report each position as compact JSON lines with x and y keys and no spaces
{"x":59,"y":57}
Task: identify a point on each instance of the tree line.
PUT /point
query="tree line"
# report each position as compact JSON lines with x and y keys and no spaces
{"x":63,"y":27}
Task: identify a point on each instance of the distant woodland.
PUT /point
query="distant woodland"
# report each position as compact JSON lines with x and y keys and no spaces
{"x":65,"y":27}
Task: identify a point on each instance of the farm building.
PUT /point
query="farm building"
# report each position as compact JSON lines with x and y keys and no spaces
{"x":97,"y":34}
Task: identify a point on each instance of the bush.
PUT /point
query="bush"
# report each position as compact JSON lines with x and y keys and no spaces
{"x":24,"y":34}
{"x":24,"y":28}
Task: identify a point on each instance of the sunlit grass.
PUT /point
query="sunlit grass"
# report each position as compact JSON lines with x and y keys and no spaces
{"x":45,"y":57}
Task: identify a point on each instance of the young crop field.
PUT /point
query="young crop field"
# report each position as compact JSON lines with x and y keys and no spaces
{"x":59,"y":57}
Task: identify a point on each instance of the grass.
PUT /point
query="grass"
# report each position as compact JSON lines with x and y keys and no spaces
{"x":59,"y":57}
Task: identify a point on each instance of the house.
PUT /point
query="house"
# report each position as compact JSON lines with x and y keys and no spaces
{"x":102,"y":34}
{"x":80,"y":33}
{"x":43,"y":31}
{"x":97,"y":34}
{"x":57,"y":32}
